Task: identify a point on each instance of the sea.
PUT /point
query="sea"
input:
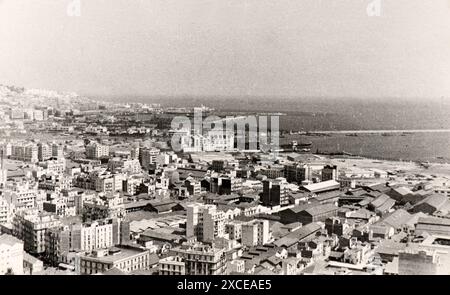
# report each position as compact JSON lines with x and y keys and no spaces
{"x":423,"y":125}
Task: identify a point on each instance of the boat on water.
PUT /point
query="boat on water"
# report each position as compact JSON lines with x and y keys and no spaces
{"x":297,"y":146}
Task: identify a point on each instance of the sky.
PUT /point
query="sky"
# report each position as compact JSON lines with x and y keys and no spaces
{"x":285,"y":48}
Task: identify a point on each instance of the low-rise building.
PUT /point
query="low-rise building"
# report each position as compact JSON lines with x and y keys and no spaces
{"x":124,"y":258}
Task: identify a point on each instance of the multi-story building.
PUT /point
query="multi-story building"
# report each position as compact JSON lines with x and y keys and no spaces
{"x":297,"y":172}
{"x":7,"y":210}
{"x":124,"y":258}
{"x":26,"y":195}
{"x":54,"y":166}
{"x":193,"y":186}
{"x":148,"y":157}
{"x":3,"y":177}
{"x":97,"y":151}
{"x":202,"y":259}
{"x":274,"y":171}
{"x":31,"y":227}
{"x":44,"y":151}
{"x":88,"y":236}
{"x":213,"y":223}
{"x":330,"y":172}
{"x":171,"y":266}
{"x":57,"y":150}
{"x":224,"y":184}
{"x":275,"y":193}
{"x":104,"y":184}
{"x":234,"y":229}
{"x":205,"y":222}
{"x":6,"y":148}
{"x":17,"y":114}
{"x":59,"y":207}
{"x":103,"y":206}
{"x":25,"y":152}
{"x":135,"y":152}
{"x":218,"y":140}
{"x":11,"y":255}
{"x":132,"y":183}
{"x":130,"y":166}
{"x":255,"y":233}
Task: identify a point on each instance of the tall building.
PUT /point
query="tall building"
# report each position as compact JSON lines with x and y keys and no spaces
{"x":224,"y":184}
{"x":58,"y":150}
{"x":11,"y":255}
{"x":255,"y":233}
{"x":6,"y":210}
{"x":193,"y":186}
{"x":44,"y":151}
{"x":25,"y":152}
{"x":96,"y":151}
{"x":205,"y":222}
{"x":329,"y":172}
{"x":275,"y":193}
{"x":3,"y":171}
{"x":148,"y":157}
{"x":297,"y":173}
{"x":88,"y":236}
{"x":31,"y":227}
{"x":135,"y":152}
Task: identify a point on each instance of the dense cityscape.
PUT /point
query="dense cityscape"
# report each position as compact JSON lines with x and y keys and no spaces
{"x":91,"y":187}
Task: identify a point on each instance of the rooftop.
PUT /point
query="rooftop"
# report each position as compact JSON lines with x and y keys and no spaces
{"x":322,"y":186}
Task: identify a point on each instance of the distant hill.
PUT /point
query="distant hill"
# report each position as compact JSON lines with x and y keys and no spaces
{"x":22,"y":97}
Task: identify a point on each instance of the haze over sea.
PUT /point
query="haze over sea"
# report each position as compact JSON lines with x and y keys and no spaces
{"x":321,"y":114}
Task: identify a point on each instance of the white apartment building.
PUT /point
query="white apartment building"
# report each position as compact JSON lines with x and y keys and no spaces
{"x":96,"y":151}
{"x":54,"y":166}
{"x":44,"y":151}
{"x":7,"y":209}
{"x":255,"y":233}
{"x":205,"y":222}
{"x":131,"y":166}
{"x":25,"y":152}
{"x":26,"y":195}
{"x":97,"y":235}
{"x":211,"y":141}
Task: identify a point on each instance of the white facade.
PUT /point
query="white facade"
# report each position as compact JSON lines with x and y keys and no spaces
{"x":205,"y":222}
{"x":11,"y":255}
{"x":96,"y":151}
{"x":6,"y":211}
{"x":255,"y":233}
{"x":96,"y":236}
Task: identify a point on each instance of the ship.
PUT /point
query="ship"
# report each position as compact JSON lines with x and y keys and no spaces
{"x":296,"y":146}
